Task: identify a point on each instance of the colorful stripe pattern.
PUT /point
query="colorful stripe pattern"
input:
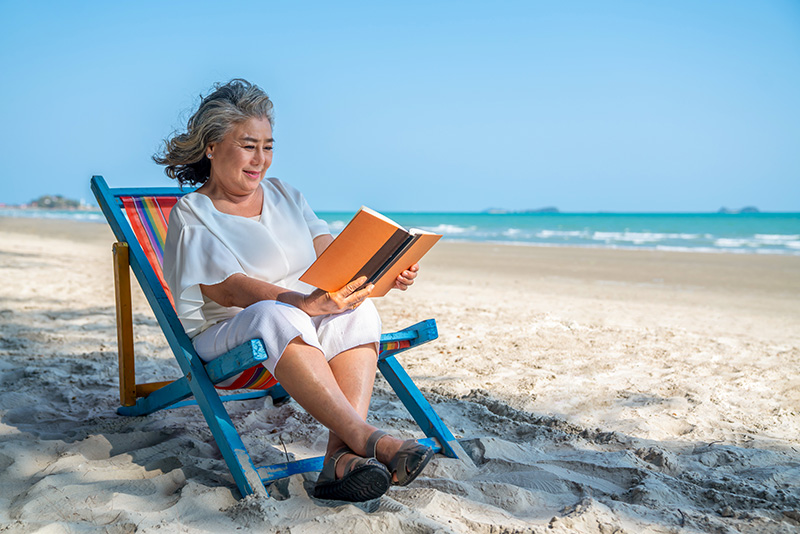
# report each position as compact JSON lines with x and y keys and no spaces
{"x":394,"y":345}
{"x":257,"y":377}
{"x":149,"y":217}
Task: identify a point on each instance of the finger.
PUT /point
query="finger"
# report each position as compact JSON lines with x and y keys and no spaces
{"x":355,"y":285}
{"x":364,"y":292}
{"x":359,"y":296}
{"x":406,"y":278}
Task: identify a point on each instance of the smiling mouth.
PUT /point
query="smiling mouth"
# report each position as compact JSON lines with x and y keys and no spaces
{"x":252,"y":174}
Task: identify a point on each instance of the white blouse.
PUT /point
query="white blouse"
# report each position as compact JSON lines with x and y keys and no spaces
{"x":206,"y":246}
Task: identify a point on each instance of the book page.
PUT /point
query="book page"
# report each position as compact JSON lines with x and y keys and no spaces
{"x":380,"y":216}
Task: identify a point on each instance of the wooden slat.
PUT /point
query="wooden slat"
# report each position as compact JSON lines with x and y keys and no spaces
{"x":122,"y":287}
{"x":143,"y":390}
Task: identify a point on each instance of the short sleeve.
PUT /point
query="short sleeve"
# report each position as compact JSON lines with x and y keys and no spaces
{"x":316,"y":226}
{"x":194,"y":256}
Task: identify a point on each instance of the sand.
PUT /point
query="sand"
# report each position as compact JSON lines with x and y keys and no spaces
{"x":596,"y":390}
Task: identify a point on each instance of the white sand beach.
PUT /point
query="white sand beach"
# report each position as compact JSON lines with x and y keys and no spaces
{"x":599,"y":391}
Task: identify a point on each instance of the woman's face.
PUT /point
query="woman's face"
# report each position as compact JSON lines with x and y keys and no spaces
{"x":240,"y":161}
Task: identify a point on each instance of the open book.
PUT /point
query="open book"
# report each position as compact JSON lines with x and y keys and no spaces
{"x":371,"y":245}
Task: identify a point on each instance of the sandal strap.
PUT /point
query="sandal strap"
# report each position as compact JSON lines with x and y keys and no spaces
{"x":354,"y":460}
{"x":372,"y":443}
{"x":328,"y":472}
{"x":409,"y":461}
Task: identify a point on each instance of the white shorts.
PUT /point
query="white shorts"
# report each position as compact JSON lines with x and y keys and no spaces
{"x":277,"y":323}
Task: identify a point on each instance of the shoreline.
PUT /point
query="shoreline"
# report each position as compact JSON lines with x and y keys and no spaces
{"x":35,"y":226}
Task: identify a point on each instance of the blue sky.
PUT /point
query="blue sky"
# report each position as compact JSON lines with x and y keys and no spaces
{"x":422,"y":106}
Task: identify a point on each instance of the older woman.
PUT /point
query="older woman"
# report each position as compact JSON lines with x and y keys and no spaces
{"x":234,"y":252}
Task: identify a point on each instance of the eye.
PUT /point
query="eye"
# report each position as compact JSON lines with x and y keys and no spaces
{"x":268,"y":148}
{"x":249,"y":147}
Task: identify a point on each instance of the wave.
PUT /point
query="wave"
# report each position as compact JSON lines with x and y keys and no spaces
{"x":546,"y":234}
{"x":627,"y":239}
{"x":73,"y":215}
{"x":336,"y":226}
{"x":773,"y":234}
{"x":778,"y":237}
{"x":642,"y":237}
{"x":450,"y":229}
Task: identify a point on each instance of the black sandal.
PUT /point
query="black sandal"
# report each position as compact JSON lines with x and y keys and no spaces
{"x":409,"y":461}
{"x":364,"y":479}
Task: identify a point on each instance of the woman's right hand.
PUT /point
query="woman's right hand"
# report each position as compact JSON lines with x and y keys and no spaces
{"x":350,"y":297}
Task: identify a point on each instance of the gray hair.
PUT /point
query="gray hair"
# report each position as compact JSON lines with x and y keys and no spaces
{"x":228,"y":105}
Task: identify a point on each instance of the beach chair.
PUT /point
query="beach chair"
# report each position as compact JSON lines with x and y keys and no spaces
{"x":139,"y":217}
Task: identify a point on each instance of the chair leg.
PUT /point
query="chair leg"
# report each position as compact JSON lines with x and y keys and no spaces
{"x":122,"y":286}
{"x":419,"y":407}
{"x":227,"y":438}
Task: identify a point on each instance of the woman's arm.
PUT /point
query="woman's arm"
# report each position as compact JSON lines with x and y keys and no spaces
{"x":242,"y":291}
{"x":321,"y":242}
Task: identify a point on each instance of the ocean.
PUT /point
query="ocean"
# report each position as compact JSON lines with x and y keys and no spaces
{"x":746,"y":233}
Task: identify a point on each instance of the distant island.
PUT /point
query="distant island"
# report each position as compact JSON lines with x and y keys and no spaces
{"x":746,"y":209}
{"x":56,"y":202}
{"x":502,"y":211}
{"x":53,"y":202}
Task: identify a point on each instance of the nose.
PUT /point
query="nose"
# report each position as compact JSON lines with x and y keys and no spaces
{"x":258,"y":157}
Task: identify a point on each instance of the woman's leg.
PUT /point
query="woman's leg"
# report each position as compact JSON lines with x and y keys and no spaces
{"x":308,"y":377}
{"x":337,"y":394}
{"x":354,"y":371}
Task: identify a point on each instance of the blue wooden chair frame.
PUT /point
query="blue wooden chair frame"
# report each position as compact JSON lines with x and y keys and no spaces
{"x":199,"y":378}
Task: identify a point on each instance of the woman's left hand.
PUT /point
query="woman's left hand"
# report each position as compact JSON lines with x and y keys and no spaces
{"x":406,"y":278}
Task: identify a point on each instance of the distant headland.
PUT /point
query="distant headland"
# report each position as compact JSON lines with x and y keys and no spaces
{"x":52,"y":202}
{"x":746,"y":209}
{"x":502,"y":211}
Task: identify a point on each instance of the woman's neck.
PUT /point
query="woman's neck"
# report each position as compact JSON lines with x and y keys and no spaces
{"x":245,"y":205}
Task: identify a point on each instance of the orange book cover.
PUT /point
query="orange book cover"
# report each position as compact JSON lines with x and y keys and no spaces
{"x":370,"y":245}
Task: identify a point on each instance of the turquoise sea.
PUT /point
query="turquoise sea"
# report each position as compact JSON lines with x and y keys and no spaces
{"x":751,"y":233}
{"x":747,"y":233}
